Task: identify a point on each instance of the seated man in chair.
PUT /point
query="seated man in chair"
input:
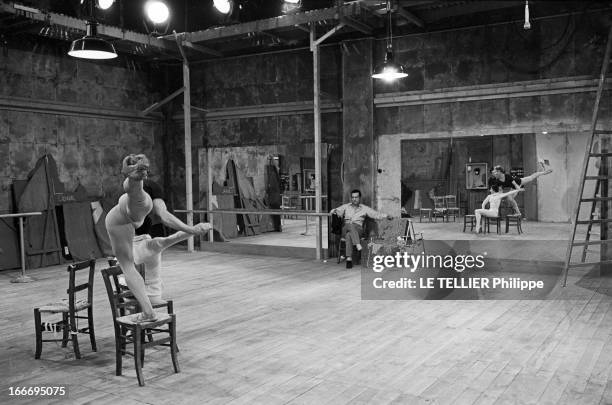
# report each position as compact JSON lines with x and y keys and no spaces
{"x":354,"y":214}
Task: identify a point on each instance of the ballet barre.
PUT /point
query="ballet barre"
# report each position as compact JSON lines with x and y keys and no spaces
{"x":21,"y":215}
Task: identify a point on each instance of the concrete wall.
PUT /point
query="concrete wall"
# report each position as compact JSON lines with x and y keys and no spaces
{"x":488,"y":62}
{"x":83,"y":113}
{"x":251,"y":81}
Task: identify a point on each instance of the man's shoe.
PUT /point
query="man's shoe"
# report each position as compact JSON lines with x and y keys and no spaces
{"x":349,"y":264}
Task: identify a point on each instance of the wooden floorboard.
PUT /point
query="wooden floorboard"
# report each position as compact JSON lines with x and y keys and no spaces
{"x":266,"y":330}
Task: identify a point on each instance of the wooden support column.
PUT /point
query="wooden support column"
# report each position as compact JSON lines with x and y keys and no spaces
{"x":314,"y":47}
{"x":187,"y":120}
{"x":209,"y":192}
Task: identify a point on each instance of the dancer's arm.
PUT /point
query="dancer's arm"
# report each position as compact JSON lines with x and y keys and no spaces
{"x":159,"y":208}
{"x":513,"y":193}
{"x":486,"y":200}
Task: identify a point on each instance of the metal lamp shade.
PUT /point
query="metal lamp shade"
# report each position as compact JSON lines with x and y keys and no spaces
{"x":90,"y":47}
{"x":389,"y":70}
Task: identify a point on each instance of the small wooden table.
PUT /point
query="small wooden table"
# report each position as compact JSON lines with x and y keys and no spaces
{"x":21,"y":215}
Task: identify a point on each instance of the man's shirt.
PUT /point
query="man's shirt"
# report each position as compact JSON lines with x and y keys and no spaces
{"x":356,"y":215}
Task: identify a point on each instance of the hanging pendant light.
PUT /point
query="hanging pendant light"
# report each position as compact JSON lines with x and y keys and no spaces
{"x":91,"y":46}
{"x":389,"y":70}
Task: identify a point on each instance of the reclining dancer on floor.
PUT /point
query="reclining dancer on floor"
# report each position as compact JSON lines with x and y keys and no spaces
{"x":494,"y":200}
{"x":124,"y":218}
{"x":354,"y":214}
{"x":504,"y":180}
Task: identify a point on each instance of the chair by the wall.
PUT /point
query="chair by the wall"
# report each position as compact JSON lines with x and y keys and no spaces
{"x":127,"y":331}
{"x":79,"y":299}
{"x":439,"y":210}
{"x":450,"y":203}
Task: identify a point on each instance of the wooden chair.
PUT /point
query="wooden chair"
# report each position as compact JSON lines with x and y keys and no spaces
{"x":163,"y":330}
{"x":469,"y":219}
{"x":69,"y":308}
{"x":450,"y":203}
{"x":439,"y":210}
{"x":515,"y":219}
{"x":370,"y":230}
{"x":168,"y":304}
{"x":495,"y":220}
{"x":425,"y":212}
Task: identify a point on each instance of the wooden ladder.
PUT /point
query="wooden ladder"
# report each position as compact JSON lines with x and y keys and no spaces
{"x":601,"y":188}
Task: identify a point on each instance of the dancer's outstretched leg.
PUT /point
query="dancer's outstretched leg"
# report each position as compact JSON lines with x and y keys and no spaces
{"x":121,"y":222}
{"x":532,"y":177}
{"x":149,"y":251}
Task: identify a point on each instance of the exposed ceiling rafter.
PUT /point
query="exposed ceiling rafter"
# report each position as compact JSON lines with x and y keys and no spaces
{"x":410,"y":17}
{"x":80,"y":25}
{"x":352,"y":9}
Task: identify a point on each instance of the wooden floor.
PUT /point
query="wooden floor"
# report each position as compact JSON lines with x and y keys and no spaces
{"x":262,"y":330}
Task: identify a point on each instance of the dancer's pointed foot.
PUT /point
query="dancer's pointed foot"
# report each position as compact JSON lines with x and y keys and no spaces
{"x":135,"y":166}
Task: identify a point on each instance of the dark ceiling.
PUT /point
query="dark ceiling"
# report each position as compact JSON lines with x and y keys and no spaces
{"x":256,"y":26}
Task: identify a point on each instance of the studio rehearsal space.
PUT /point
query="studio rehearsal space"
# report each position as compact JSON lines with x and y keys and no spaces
{"x":305,"y":202}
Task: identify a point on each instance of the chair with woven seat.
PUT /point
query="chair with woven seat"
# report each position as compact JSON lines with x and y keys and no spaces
{"x":515,"y":219}
{"x":439,"y":210}
{"x":469,"y":219}
{"x":168,"y":304}
{"x":127,"y":331}
{"x":493,"y":220}
{"x":450,"y":203}
{"x":69,"y":308}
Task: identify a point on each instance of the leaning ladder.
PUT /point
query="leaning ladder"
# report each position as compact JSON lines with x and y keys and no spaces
{"x":601,"y":188}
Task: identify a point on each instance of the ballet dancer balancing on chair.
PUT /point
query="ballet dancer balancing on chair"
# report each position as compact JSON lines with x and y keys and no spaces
{"x":124,"y":218}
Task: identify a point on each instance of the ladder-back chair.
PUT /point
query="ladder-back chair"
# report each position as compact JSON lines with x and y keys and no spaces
{"x":127,"y":331}
{"x":79,"y":299}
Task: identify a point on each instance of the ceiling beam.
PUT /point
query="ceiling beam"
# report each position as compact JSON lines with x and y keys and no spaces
{"x":357,"y":25}
{"x":468,"y":8}
{"x":410,"y":17}
{"x":80,"y":25}
{"x":202,"y":49}
{"x":352,"y":9}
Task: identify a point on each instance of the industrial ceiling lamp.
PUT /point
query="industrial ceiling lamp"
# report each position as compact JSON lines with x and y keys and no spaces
{"x":91,"y":46}
{"x":223,"y":6}
{"x":105,"y":4}
{"x":157,"y":11}
{"x":290,"y":6}
{"x":389,"y":70}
